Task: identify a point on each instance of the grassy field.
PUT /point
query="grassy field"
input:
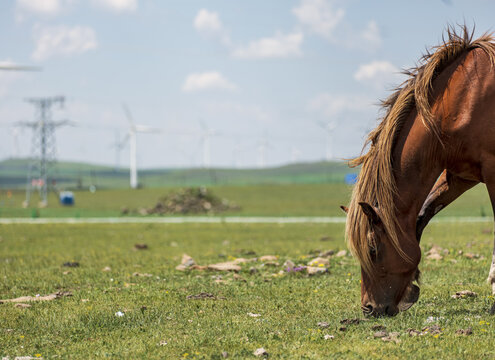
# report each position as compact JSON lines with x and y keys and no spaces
{"x":71,"y":175}
{"x":280,"y":200}
{"x":255,"y":200}
{"x":159,"y":322}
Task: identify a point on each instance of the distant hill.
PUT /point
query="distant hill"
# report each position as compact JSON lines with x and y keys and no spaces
{"x":71,"y":175}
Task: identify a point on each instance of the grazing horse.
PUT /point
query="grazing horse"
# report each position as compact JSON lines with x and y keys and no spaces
{"x":438,"y":134}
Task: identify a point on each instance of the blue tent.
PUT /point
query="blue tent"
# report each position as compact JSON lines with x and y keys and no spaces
{"x":66,"y":198}
{"x":350,"y":179}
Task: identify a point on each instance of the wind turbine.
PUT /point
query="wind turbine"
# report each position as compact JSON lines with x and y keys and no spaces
{"x":263,"y":144}
{"x":295,"y":154}
{"x":206,"y":134}
{"x":132,"y":138}
{"x":236,"y":153}
{"x":329,"y":127}
{"x":7,"y":66}
{"x":15,"y":137}
{"x":118,"y":146}
{"x":13,"y":67}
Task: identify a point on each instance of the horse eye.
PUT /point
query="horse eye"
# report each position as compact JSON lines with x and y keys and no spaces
{"x":373,"y":253}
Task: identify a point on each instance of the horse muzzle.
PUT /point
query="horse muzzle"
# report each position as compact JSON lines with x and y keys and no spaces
{"x":410,"y":298}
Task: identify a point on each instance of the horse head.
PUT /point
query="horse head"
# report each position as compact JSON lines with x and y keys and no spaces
{"x":387,"y":277}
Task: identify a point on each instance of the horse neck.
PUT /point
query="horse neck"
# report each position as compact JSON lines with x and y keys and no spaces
{"x":418,"y":158}
{"x":416,"y":167}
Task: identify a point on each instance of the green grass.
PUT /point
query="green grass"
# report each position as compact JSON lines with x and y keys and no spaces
{"x":261,"y":200}
{"x":290,"y":306}
{"x":81,"y":176}
{"x":255,"y":200}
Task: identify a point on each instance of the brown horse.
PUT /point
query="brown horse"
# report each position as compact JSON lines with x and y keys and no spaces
{"x":438,"y":134}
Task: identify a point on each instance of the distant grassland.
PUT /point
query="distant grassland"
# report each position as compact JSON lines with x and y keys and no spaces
{"x":255,"y":200}
{"x":69,"y":175}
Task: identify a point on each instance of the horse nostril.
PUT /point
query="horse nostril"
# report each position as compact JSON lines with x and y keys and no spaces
{"x":368,"y":309}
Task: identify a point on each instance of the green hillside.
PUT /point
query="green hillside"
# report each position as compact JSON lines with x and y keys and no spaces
{"x":70,"y":175}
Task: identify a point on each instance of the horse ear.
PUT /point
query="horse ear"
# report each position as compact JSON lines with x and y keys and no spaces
{"x":344,"y":208}
{"x":371,"y":212}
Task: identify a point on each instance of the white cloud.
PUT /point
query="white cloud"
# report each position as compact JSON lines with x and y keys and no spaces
{"x":319,"y":16}
{"x":331,"y":105}
{"x":55,"y":7}
{"x":208,"y":23}
{"x":117,"y":5}
{"x":377,"y":73}
{"x":278,"y":46}
{"x":324,"y":18}
{"x":371,"y":35}
{"x":205,"y":81}
{"x":43,"y":7}
{"x":63,"y":40}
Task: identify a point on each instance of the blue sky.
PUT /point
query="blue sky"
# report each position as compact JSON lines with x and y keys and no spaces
{"x":258,"y":81}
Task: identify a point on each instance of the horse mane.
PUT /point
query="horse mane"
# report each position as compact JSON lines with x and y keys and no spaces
{"x":376,"y":183}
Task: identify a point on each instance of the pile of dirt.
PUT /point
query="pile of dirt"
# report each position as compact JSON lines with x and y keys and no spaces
{"x":193,"y":200}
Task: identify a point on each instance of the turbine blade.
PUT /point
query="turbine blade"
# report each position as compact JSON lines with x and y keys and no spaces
{"x":146,"y":129}
{"x":19,"y":68}
{"x":124,"y":141}
{"x":128,"y":115}
{"x":322,"y":124}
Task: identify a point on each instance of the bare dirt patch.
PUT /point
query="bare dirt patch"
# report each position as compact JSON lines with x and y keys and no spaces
{"x":193,"y":200}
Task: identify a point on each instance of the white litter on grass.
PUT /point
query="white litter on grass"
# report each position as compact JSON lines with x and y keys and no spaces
{"x":431,"y":319}
{"x":253,"y":315}
{"x":261,"y":352}
{"x":328,"y":337}
{"x":119,"y":314}
{"x":341,"y":253}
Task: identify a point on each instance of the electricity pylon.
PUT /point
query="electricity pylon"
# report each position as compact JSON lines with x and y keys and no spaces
{"x":43,"y":149}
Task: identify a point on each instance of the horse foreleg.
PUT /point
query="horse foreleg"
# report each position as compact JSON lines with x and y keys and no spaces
{"x":491,"y":274}
{"x":447,"y":188}
{"x":491,"y":279}
{"x":490,"y":185}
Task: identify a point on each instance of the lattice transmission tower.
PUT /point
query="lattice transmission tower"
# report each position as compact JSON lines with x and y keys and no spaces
{"x":43,"y":149}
